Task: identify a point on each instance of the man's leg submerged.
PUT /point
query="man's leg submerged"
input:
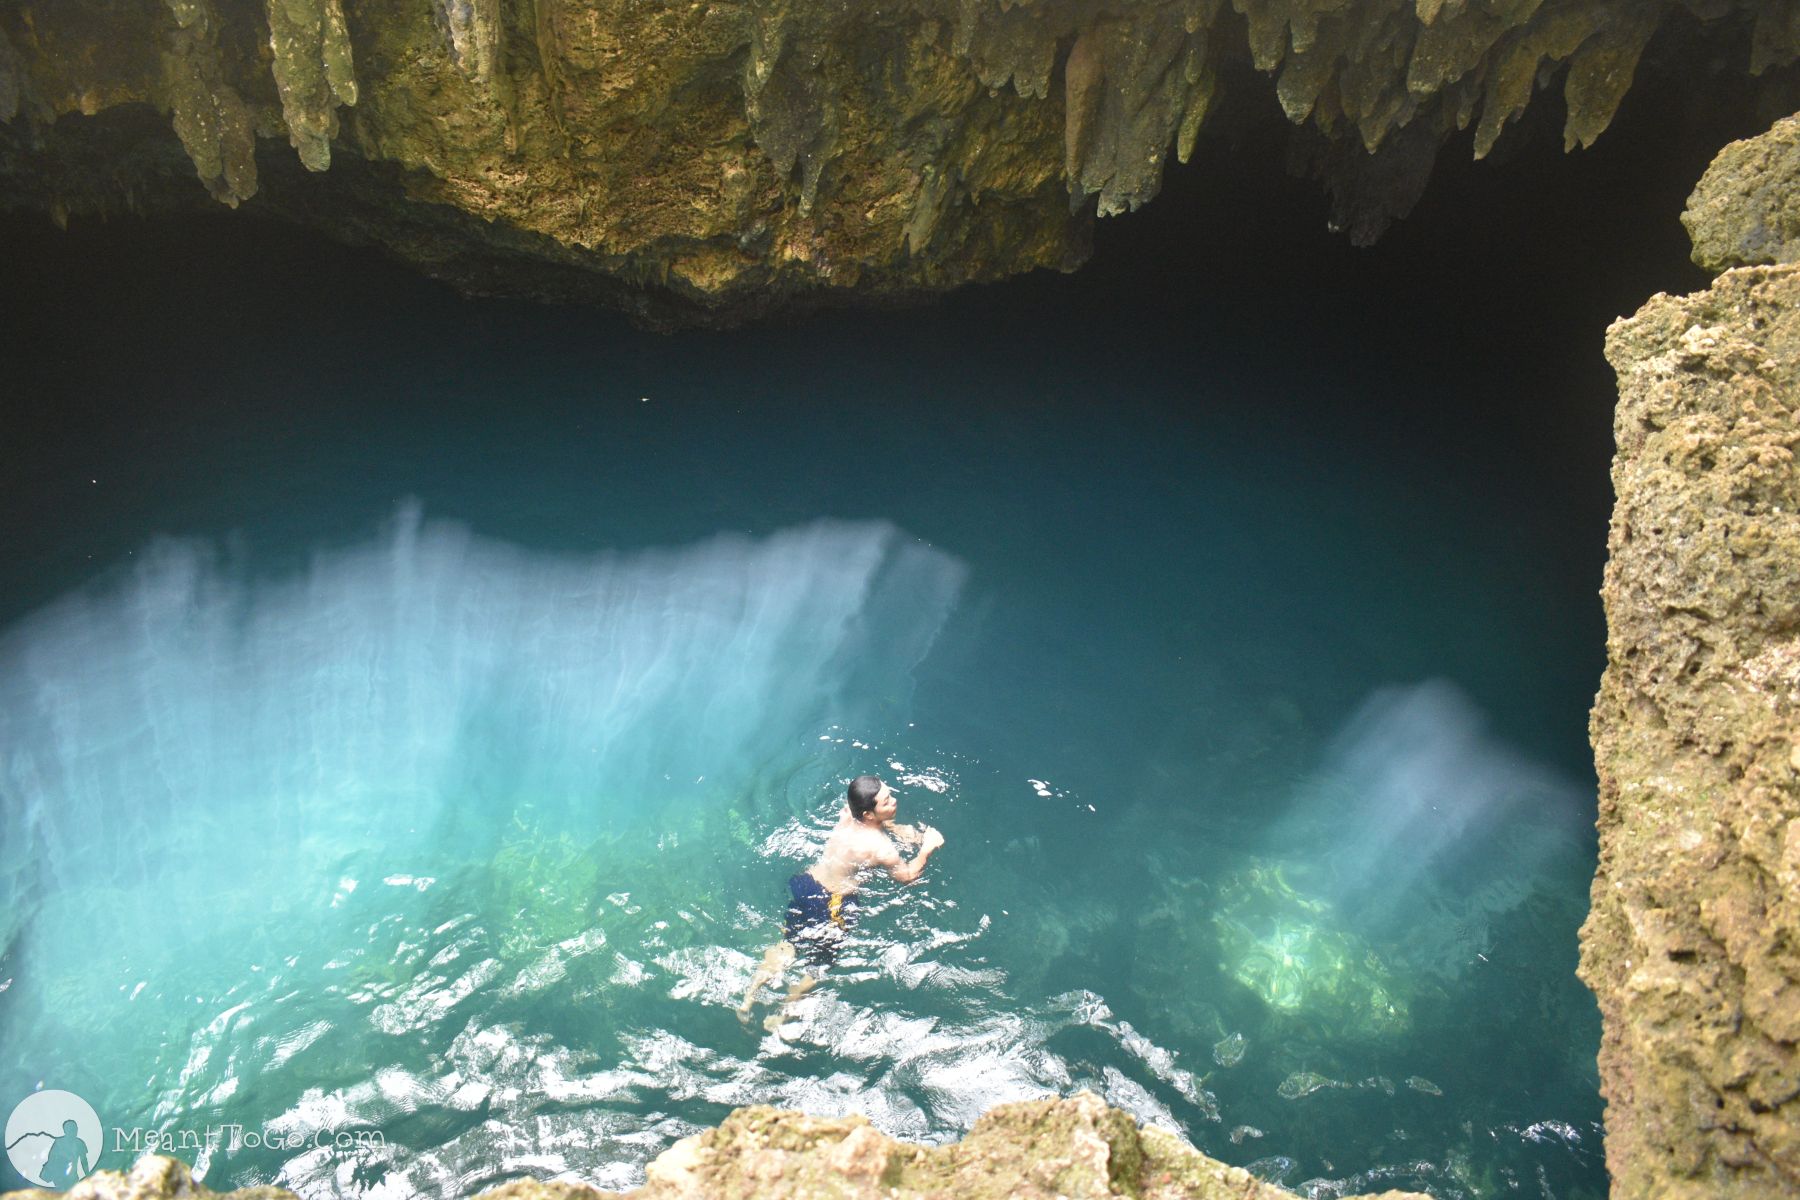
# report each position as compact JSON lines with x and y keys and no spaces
{"x":806,"y":983}
{"x":815,"y":918}
{"x":775,"y":960}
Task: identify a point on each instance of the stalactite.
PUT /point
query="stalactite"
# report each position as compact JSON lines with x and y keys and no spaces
{"x":214,"y":124}
{"x":546,"y":36}
{"x":313,"y":73}
{"x":12,"y":79}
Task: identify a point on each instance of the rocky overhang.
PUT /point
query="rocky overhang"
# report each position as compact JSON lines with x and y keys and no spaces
{"x":711,"y":161}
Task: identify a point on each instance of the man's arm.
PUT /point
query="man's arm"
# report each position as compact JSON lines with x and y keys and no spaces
{"x":909,"y":872}
{"x":908,"y":835}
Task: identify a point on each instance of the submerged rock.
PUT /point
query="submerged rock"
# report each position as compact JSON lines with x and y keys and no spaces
{"x":1692,"y":946}
{"x":1273,"y":1169}
{"x":1305,"y":1083}
{"x":1229,"y":1050}
{"x":1290,"y":950}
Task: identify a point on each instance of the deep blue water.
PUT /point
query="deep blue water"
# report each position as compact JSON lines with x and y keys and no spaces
{"x":411,"y":708}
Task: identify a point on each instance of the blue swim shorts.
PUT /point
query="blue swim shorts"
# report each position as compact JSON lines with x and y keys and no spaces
{"x":817,"y":920}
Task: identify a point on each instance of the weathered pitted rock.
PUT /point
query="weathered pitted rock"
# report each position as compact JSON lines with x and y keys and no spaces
{"x":151,"y":1178}
{"x":1746,"y":210}
{"x":1075,"y":1149}
{"x":735,"y":154}
{"x":1693,"y":943}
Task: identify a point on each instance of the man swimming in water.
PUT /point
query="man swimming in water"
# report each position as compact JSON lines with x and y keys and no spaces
{"x":822,"y":904}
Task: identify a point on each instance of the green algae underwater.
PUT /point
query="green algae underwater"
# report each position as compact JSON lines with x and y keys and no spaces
{"x":405,"y":756}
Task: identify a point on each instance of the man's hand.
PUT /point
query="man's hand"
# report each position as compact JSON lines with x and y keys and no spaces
{"x":929,"y":838}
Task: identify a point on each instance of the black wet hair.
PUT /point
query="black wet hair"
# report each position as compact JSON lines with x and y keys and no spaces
{"x":861,"y":795}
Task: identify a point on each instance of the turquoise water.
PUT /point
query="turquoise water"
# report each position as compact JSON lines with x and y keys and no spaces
{"x":411,"y":710}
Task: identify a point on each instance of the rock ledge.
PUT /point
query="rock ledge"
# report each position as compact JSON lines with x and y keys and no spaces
{"x":1073,"y":1149}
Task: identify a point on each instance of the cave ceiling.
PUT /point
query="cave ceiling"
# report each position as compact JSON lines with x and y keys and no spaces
{"x":712,"y":162}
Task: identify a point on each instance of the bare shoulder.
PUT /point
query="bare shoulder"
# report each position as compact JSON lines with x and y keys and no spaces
{"x":874,"y":846}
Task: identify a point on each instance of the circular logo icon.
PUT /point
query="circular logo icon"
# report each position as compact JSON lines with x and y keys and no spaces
{"x":53,"y":1138}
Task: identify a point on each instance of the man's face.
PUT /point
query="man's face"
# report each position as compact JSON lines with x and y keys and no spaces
{"x":885,"y":804}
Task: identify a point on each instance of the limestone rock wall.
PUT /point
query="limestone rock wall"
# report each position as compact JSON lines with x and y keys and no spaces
{"x":1074,"y":1149}
{"x":1746,"y":209}
{"x":1693,"y":942}
{"x":737,"y":152}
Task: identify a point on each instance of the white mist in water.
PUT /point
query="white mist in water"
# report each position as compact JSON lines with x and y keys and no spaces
{"x":1435,"y":824}
{"x":186,"y":726}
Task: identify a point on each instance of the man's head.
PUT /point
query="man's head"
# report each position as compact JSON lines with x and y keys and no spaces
{"x":870,"y":799}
